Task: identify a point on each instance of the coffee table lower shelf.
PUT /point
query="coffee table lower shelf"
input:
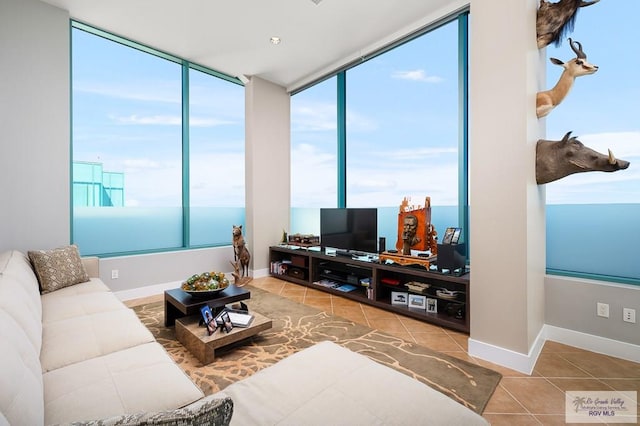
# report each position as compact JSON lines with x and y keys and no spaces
{"x":196,"y":339}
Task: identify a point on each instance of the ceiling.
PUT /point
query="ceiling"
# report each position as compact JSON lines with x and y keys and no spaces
{"x":233,"y":36}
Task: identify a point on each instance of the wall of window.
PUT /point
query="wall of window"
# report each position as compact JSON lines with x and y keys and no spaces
{"x":396,"y":130}
{"x":170,"y":129}
{"x":592,"y":217}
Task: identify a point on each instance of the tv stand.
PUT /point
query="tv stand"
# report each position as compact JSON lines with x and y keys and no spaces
{"x":381,"y":284}
{"x":344,"y":253}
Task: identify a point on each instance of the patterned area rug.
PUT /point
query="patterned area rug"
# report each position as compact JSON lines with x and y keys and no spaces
{"x":297,"y":326}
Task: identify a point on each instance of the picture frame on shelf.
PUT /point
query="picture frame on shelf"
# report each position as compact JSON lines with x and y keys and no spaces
{"x":400,"y":298}
{"x":417,"y":302}
{"x":432,"y":306}
{"x":456,"y":235}
{"x":448,"y":235}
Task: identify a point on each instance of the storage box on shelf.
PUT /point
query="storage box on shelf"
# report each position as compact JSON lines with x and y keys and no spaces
{"x":441,"y":299}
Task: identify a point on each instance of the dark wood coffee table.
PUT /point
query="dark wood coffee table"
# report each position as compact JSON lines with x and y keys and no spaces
{"x":203,"y":346}
{"x":178,"y":303}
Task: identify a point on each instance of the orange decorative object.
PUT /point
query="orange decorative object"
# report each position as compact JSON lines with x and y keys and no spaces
{"x":415,"y":231}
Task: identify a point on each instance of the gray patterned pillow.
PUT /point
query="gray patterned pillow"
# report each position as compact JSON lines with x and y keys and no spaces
{"x":58,"y":268}
{"x":210,"y":410}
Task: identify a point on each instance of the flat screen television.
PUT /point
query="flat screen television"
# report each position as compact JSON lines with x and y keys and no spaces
{"x":349,"y":229}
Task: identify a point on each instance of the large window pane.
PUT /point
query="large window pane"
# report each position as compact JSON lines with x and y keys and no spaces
{"x":216,"y":149}
{"x":403,"y":128}
{"x":126,"y":122}
{"x":314,"y":168}
{"x":592,"y":217}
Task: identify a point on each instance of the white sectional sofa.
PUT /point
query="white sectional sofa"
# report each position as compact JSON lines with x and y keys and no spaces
{"x":78,"y":354}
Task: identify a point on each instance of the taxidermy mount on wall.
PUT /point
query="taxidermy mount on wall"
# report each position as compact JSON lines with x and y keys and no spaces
{"x":555,"y":20}
{"x":576,"y":67}
{"x":557,"y":159}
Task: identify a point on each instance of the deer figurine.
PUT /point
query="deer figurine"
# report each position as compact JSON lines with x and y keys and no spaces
{"x":576,"y":67}
{"x":555,"y":20}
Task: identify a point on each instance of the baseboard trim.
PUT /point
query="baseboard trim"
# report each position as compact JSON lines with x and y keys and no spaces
{"x":150,"y":290}
{"x":523,"y":363}
{"x":593,"y":343}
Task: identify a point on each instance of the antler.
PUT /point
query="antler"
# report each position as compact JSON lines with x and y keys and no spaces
{"x":579,"y":53}
{"x":588,"y":3}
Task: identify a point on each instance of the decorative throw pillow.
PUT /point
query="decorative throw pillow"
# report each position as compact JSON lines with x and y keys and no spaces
{"x":58,"y":268}
{"x":210,"y":410}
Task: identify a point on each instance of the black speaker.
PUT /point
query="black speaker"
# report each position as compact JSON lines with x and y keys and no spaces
{"x":382,"y":244}
{"x":451,"y":256}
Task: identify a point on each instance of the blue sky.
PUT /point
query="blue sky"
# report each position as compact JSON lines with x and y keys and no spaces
{"x":401,"y":120}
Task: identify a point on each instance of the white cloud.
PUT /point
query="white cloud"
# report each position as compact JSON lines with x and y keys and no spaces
{"x":309,"y":117}
{"x":168,"y":120}
{"x":416,"y":75}
{"x":165,"y":92}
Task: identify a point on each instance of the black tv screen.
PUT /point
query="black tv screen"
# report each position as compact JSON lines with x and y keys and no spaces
{"x":349,"y":229}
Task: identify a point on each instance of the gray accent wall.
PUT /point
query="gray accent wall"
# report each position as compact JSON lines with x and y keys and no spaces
{"x":571,"y":304}
{"x":34,"y":125}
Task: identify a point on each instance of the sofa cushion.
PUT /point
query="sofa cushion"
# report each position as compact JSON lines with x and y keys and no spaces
{"x":78,"y":305}
{"x":19,"y":295}
{"x":328,"y":384}
{"x":80,"y":338}
{"x":143,"y":378}
{"x":58,"y":268}
{"x":205,"y":412}
{"x":21,"y":388}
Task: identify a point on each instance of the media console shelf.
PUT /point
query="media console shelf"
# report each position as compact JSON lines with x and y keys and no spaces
{"x":440,"y":299}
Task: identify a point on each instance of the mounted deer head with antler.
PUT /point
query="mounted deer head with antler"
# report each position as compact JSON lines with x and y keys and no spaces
{"x":576,"y":67}
{"x":555,"y":20}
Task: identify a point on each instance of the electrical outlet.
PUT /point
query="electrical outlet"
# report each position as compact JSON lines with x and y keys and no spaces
{"x":114,"y":274}
{"x":603,"y":310}
{"x":629,"y":315}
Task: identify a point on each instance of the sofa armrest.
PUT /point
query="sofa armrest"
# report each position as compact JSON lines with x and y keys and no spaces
{"x":92,"y":265}
{"x":210,"y":410}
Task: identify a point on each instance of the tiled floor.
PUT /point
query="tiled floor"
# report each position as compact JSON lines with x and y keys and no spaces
{"x":519,"y":399}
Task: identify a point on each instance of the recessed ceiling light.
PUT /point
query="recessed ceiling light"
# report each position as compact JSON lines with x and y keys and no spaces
{"x":275,"y":40}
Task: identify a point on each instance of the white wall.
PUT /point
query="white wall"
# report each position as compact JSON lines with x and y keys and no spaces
{"x":268,"y":146}
{"x":507,"y":244}
{"x":34,"y":125}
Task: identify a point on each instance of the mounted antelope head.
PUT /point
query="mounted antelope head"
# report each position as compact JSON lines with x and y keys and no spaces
{"x":555,"y":20}
{"x":576,"y":67}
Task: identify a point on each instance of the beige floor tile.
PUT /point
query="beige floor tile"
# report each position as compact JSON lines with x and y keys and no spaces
{"x":319,"y":303}
{"x":603,"y":366}
{"x":578,"y":384}
{"x":387,"y":325}
{"x":536,"y":394}
{"x":461,"y":339}
{"x":551,"y":346}
{"x":554,"y":365}
{"x":511,"y":419}
{"x":416,"y":326}
{"x":502,"y":402}
{"x":437,"y":342}
{"x":354,"y":315}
